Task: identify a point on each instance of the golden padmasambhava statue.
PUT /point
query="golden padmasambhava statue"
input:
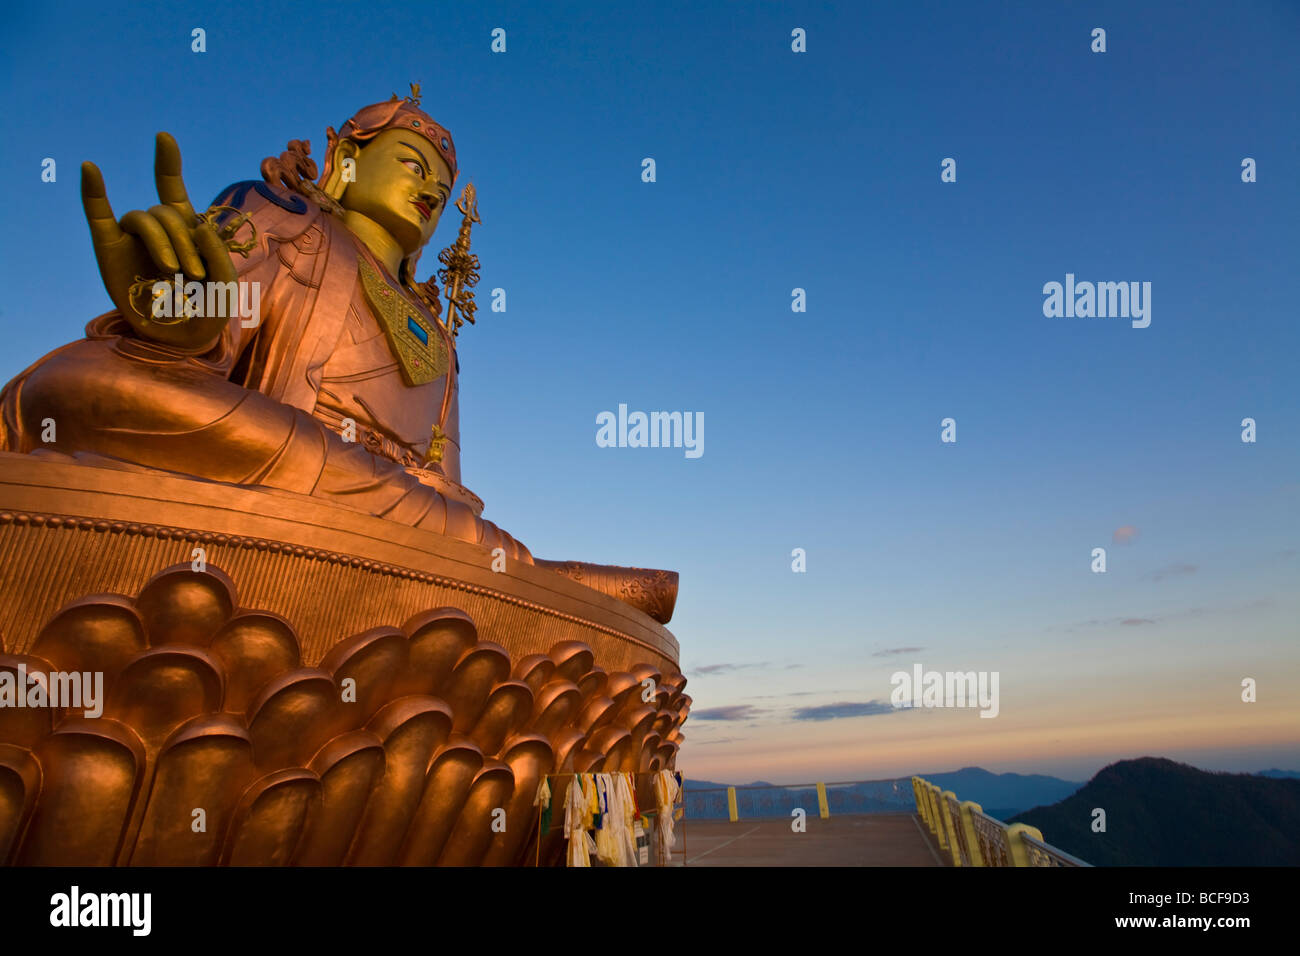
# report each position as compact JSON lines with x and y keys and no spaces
{"x":331,"y":686}
{"x":339,"y":382}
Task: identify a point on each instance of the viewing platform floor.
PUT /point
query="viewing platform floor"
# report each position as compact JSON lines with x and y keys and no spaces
{"x":868,"y":839}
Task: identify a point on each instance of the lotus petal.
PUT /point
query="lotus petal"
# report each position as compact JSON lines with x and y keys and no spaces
{"x":599,"y":710}
{"x":20,"y":785}
{"x":254,"y":648}
{"x":24,"y":726}
{"x":205,"y":765}
{"x":271,"y":818}
{"x":182,"y":606}
{"x":649,"y":746}
{"x":448,"y":784}
{"x":292,"y":717}
{"x":374,"y":660}
{"x":592,"y":683}
{"x":665,"y":753}
{"x":508,"y":707}
{"x":412,"y":729}
{"x":480,"y":669}
{"x":586,"y":760}
{"x":555,"y":707}
{"x":621,"y":686}
{"x":92,"y":771}
{"x":161,"y":688}
{"x":564,"y":743}
{"x":572,"y":659}
{"x":349,"y":767}
{"x":616,"y":744}
{"x":473,"y":832}
{"x":438,"y":639}
{"x":639,"y":723}
{"x":100,"y":634}
{"x":529,"y":757}
{"x":534,"y":670}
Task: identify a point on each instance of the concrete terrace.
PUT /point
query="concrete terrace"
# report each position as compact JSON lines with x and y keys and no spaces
{"x":868,"y":839}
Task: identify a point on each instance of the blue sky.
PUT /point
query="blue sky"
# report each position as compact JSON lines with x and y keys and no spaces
{"x":821,"y":171}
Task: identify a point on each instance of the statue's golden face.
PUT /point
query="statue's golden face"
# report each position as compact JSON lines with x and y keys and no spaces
{"x":402,"y":184}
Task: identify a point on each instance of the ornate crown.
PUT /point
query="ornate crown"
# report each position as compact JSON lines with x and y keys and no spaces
{"x":405,"y":113}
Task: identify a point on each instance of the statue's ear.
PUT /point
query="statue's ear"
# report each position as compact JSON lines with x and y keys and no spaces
{"x":334,"y":185}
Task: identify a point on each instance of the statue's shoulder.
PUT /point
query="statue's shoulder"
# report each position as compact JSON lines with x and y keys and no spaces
{"x":272,"y":208}
{"x":249,"y":195}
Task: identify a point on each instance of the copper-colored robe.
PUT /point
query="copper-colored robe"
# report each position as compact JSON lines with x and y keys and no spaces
{"x":265,"y":405}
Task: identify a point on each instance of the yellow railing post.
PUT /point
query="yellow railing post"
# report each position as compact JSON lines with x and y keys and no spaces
{"x":731,"y":804}
{"x":922,"y":804}
{"x":1018,"y":851}
{"x":949,"y":826}
{"x":968,"y":809}
{"x":929,"y":804}
{"x":822,"y":806}
{"x":937,"y":812}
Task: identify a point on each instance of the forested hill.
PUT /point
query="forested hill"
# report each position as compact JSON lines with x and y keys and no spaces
{"x":1162,"y":813}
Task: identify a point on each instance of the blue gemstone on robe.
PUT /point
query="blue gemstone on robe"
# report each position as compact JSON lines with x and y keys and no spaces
{"x":417,"y":331}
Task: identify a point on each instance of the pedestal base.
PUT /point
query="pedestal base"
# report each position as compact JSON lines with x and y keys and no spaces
{"x":287,"y":682}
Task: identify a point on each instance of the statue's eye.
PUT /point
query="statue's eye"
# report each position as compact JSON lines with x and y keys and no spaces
{"x":413,"y":166}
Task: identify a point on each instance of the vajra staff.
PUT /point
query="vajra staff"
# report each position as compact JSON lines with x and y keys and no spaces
{"x":458,"y":276}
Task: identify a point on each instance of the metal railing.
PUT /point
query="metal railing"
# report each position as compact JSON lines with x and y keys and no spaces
{"x":963,"y":830}
{"x":754,"y":802}
{"x":974,"y":838}
{"x":1044,"y":854}
{"x":773,"y":801}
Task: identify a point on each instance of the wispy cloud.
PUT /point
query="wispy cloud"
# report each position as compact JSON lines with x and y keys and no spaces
{"x":1190,"y":613}
{"x":732,"y":712}
{"x":1170,"y":571}
{"x":725,"y":668}
{"x":835,"y":711}
{"x":1124,"y":534}
{"x":1119,"y":621}
{"x":894,"y":651}
{"x":730,"y":668}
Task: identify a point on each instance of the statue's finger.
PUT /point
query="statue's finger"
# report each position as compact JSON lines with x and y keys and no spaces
{"x":167,"y":176}
{"x":150,"y":232}
{"x":178,"y":231}
{"x":104,"y":229}
{"x":215,"y":254}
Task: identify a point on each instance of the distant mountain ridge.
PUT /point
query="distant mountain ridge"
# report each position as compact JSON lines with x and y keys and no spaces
{"x":1002,"y":794}
{"x":999,"y":794}
{"x":1162,"y":813}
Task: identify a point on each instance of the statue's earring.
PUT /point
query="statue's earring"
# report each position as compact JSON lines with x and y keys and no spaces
{"x":335,"y":185}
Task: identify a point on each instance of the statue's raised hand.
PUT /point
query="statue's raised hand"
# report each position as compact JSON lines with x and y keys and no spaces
{"x":147,"y":247}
